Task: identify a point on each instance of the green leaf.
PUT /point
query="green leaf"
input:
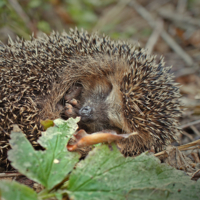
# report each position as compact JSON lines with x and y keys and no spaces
{"x":46,"y":124}
{"x":15,"y":191}
{"x":47,"y":167}
{"x":44,"y":26}
{"x":34,"y":3}
{"x":106,"y":174}
{"x":2,"y":3}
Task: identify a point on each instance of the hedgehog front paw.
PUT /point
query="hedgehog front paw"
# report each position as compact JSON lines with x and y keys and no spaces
{"x":72,"y":105}
{"x":71,"y":110}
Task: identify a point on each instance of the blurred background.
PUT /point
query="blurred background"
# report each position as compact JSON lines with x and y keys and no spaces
{"x":165,"y":27}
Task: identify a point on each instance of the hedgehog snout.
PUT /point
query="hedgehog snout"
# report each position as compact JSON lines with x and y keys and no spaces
{"x":86,"y":113}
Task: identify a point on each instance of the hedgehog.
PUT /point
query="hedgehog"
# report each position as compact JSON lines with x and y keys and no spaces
{"x":109,"y":84}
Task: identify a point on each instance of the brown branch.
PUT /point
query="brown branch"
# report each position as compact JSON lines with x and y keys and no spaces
{"x":183,"y":147}
{"x":187,"y":135}
{"x":154,"y":36}
{"x":181,"y":6}
{"x":6,"y":175}
{"x":154,"y":5}
{"x":190,"y":124}
{"x":166,"y":14}
{"x":111,"y":14}
{"x":16,"y":6}
{"x":195,"y":130}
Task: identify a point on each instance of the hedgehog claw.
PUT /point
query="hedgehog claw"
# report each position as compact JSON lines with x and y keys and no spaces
{"x":70,"y":111}
{"x":74,"y":102}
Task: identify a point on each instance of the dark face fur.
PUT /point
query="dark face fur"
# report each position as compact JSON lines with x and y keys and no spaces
{"x":101,"y":107}
{"x":94,"y":111}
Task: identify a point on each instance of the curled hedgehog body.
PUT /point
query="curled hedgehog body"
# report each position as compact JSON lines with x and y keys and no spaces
{"x":119,"y":87}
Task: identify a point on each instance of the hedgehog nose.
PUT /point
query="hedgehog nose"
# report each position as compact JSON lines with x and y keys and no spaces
{"x":85,"y":111}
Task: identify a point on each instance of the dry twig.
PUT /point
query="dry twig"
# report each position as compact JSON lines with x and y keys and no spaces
{"x":113,"y":13}
{"x":170,"y":15}
{"x":187,"y":135}
{"x":154,"y":36}
{"x":195,"y":130}
{"x":181,"y":6}
{"x":154,"y":5}
{"x":16,"y":6}
{"x":190,"y":124}
{"x":6,"y":175}
{"x":183,"y":147}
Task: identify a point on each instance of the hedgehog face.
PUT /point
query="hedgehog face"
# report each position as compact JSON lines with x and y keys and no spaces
{"x":94,"y":114}
{"x":102,"y":108}
{"x":94,"y":108}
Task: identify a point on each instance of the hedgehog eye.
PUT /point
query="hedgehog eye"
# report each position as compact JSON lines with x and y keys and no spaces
{"x":101,"y":91}
{"x":106,"y":93}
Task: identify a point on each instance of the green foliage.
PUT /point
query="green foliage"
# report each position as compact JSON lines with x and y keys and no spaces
{"x":43,"y":15}
{"x":114,"y":177}
{"x":15,"y":191}
{"x":44,"y":26}
{"x":127,"y":33}
{"x":82,"y":12}
{"x":11,"y":20}
{"x":104,"y":174}
{"x":2,"y":3}
{"x":146,"y":32}
{"x":47,"y":167}
{"x":35,"y":3}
